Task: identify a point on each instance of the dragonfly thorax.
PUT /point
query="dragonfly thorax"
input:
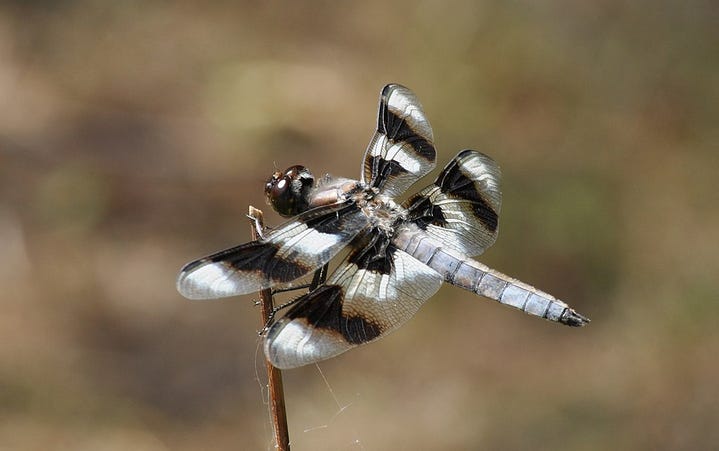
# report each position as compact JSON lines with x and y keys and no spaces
{"x":384,"y":213}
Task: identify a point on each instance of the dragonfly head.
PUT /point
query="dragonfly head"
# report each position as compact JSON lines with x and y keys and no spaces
{"x":289,"y":192}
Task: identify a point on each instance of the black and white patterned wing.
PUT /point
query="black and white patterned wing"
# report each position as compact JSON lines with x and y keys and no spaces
{"x":402,"y":149}
{"x":289,"y":252}
{"x":461,"y":208}
{"x":374,"y":290}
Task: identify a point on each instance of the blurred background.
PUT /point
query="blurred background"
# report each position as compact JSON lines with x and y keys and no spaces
{"x":134,"y":135}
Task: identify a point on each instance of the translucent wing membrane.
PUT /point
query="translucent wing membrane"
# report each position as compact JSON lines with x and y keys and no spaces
{"x":293,"y":250}
{"x":401,"y":150}
{"x":461,"y":208}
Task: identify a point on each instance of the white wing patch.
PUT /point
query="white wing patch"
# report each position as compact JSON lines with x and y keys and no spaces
{"x":214,"y":279}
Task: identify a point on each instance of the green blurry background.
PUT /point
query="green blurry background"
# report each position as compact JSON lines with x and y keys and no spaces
{"x":133,"y":136}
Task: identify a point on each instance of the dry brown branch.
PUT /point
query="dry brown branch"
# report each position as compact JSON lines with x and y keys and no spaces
{"x":274,"y":375}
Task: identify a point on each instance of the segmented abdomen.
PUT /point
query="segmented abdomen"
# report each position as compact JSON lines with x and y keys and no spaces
{"x":472,"y":275}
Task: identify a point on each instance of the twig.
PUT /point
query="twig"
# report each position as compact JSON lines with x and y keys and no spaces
{"x":274,"y":376}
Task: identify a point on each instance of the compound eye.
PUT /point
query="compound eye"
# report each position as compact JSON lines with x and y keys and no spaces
{"x":281,"y":189}
{"x":288,"y":192}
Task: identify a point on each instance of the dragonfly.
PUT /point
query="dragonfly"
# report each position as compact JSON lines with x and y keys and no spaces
{"x":395,"y":255}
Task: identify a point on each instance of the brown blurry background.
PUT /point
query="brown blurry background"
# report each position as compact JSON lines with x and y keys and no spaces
{"x":134,"y":135}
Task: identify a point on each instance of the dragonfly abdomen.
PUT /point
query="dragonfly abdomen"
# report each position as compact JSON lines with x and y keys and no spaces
{"x":464,"y":272}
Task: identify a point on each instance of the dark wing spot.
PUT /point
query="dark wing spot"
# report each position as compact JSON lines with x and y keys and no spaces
{"x":358,"y":330}
{"x":333,"y":222}
{"x":322,"y":309}
{"x":372,"y":252}
{"x":454,"y":183}
{"x":423,"y":212}
{"x":258,"y":256}
{"x":397,"y":129}
{"x":384,"y":170}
